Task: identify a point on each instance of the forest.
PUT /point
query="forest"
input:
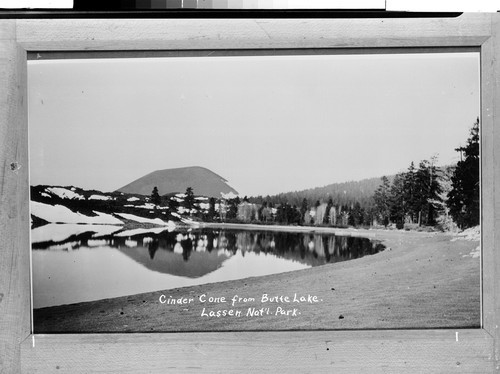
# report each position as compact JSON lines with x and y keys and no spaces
{"x":424,"y":195}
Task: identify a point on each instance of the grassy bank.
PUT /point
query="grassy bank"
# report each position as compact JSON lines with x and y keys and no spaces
{"x":422,"y":280}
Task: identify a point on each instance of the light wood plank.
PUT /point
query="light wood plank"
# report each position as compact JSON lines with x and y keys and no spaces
{"x":14,"y":197}
{"x":490,"y":72}
{"x":313,"y":352}
{"x":7,"y":29}
{"x":126,"y":34}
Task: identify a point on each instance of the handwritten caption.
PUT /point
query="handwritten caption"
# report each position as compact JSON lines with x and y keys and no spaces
{"x":267,"y":305}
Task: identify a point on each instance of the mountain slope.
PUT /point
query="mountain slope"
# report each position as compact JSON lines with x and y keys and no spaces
{"x":203,"y":182}
{"x":341,"y":193}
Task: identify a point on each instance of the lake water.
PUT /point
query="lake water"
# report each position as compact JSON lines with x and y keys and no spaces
{"x":74,"y":263}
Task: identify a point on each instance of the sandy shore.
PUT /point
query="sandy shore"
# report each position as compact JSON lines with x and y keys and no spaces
{"x":422,"y":280}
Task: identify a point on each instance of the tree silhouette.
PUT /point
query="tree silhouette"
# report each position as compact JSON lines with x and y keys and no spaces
{"x":463,"y":199}
{"x":382,"y":201}
{"x":211,"y":209}
{"x":428,"y":190}
{"x":155,"y":197}
{"x":189,"y":199}
{"x":303,"y":209}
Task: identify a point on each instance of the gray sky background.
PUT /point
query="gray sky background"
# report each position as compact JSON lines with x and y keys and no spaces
{"x":266,"y":124}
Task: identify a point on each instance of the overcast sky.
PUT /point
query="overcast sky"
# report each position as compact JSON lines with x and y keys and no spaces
{"x":266,"y":124}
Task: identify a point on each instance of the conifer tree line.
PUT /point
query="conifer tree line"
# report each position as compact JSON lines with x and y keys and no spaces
{"x":422,"y":195}
{"x":427,"y":195}
{"x":410,"y":197}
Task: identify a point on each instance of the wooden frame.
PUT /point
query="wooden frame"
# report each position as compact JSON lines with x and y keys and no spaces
{"x":330,"y":351}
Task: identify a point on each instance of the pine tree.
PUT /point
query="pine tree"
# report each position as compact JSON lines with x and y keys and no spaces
{"x":463,"y":199}
{"x":410,"y":196}
{"x":155,"y":197}
{"x":381,"y":198}
{"x":211,"y":209}
{"x":304,"y":208}
{"x":189,"y":199}
{"x":327,"y":211}
{"x":428,"y":190}
{"x":398,"y":206}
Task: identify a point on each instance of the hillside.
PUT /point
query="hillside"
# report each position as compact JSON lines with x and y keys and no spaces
{"x":342,"y":193}
{"x":204,"y":182}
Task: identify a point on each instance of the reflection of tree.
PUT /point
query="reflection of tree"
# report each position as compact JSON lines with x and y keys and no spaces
{"x":187,"y":248}
{"x":312,"y":249}
{"x":210,"y":241}
{"x":325,"y":248}
{"x":153,"y":247}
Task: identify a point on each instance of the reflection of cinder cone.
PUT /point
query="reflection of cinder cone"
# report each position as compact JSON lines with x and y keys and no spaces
{"x":167,"y":262}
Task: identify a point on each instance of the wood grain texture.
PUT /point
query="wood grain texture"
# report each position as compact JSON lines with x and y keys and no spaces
{"x":14,"y":215}
{"x":490,"y":73}
{"x":350,"y":352}
{"x":164,"y":34}
{"x":310,"y":352}
{"x":7,"y":30}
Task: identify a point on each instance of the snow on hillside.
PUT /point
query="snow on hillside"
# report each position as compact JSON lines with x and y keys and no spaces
{"x":59,"y":213}
{"x":59,"y":232}
{"x":228,"y":195}
{"x":133,"y":198}
{"x":131,"y":217}
{"x":100,"y":197}
{"x":145,"y":206}
{"x":64,"y":193}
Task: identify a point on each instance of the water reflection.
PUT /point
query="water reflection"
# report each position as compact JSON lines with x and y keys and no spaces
{"x":71,"y":269}
{"x":179,"y":252}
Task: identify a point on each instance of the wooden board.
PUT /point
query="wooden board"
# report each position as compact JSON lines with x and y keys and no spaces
{"x":403,"y":351}
{"x":102,"y":34}
{"x":14,"y":200}
{"x":337,"y":351}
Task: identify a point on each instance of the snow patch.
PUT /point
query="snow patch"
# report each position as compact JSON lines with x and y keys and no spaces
{"x":46,"y":195}
{"x":145,"y":206}
{"x":229,"y":195}
{"x":59,"y":213}
{"x":472,"y":234}
{"x":133,"y":198}
{"x":64,"y":193}
{"x":100,"y":197}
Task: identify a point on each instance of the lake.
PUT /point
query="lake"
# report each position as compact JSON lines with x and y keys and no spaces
{"x":73,"y":263}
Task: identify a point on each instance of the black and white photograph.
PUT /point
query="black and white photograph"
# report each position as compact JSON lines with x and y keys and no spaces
{"x":255,"y":192}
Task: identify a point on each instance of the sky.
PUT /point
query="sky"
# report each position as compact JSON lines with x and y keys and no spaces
{"x":267,"y":124}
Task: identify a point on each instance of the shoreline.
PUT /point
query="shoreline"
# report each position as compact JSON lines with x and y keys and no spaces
{"x":421,"y":280}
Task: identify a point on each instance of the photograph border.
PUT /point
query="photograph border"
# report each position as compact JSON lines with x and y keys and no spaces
{"x":435,"y":350}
